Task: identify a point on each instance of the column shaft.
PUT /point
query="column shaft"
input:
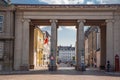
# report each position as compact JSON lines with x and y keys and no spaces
{"x":110,"y":43}
{"x":80,"y":45}
{"x":18,"y":42}
{"x":25,"y":45}
{"x":53,"y":53}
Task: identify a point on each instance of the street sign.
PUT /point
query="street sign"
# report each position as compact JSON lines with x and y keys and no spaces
{"x":82,"y":59}
{"x":52,"y":58}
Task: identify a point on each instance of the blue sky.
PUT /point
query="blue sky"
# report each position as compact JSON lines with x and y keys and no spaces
{"x":66,"y":35}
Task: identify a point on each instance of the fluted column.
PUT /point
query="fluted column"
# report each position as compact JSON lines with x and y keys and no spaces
{"x":52,"y":65}
{"x":80,"y":46}
{"x":25,"y":45}
{"x":110,"y":42}
{"x":18,"y":41}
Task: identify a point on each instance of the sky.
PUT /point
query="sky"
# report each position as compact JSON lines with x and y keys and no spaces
{"x":66,"y":35}
{"x":66,"y":1}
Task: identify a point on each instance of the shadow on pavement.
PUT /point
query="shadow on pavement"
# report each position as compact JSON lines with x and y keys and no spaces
{"x":62,"y":72}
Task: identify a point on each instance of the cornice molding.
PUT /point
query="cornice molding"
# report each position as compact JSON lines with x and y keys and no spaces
{"x":74,"y":7}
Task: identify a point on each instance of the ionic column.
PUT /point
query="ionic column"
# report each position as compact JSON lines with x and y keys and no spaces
{"x":52,"y":65}
{"x":25,"y":45}
{"x":80,"y":46}
{"x":110,"y":42}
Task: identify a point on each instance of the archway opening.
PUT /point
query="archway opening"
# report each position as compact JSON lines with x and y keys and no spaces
{"x":39,"y":52}
{"x":95,"y":47}
{"x":66,"y":56}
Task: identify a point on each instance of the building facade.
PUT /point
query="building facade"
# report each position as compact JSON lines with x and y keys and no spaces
{"x":93,"y":47}
{"x":38,"y":47}
{"x":17,"y":21}
{"x":6,"y":36}
{"x":66,"y":53}
{"x":46,"y":49}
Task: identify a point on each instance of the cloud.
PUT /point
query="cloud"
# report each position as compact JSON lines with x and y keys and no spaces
{"x":70,"y":27}
{"x":41,"y":27}
{"x":110,"y":1}
{"x":45,"y":28}
{"x":81,"y":1}
{"x":60,"y":28}
{"x":90,"y":3}
{"x":62,"y":1}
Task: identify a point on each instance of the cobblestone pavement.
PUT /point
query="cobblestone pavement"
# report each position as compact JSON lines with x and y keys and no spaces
{"x":61,"y":74}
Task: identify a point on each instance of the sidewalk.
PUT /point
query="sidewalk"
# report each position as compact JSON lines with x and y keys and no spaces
{"x":113,"y":73}
{"x":37,"y":69}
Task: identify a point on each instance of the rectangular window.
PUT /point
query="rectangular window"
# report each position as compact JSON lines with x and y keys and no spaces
{"x":1,"y":49}
{"x":1,"y":23}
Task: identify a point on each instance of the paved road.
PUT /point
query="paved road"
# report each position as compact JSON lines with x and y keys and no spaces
{"x":64,"y":65}
{"x":61,"y":74}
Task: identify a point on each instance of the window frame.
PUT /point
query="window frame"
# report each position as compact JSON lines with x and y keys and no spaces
{"x":2,"y":23}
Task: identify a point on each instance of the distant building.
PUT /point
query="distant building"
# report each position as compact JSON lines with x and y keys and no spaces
{"x":92,"y":46}
{"x":46,"y":48}
{"x":38,"y":47}
{"x":66,"y":53}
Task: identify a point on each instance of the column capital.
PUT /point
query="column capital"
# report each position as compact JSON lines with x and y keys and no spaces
{"x":25,"y":19}
{"x":109,"y":20}
{"x":81,"y":20}
{"x":53,"y":20}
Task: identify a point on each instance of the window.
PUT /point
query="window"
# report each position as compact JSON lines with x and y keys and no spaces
{"x":1,"y":23}
{"x":1,"y":49}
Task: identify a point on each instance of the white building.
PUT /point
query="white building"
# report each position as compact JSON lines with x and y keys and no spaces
{"x":46,"y":48}
{"x":66,"y":53}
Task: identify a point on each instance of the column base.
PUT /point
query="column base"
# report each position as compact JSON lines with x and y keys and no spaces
{"x":24,"y":68}
{"x":31,"y":66}
{"x":79,"y":68}
{"x":102,"y":67}
{"x":52,"y":68}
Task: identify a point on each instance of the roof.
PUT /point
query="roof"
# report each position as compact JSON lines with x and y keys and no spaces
{"x":66,"y":48}
{"x":91,"y":29}
{"x":3,"y":3}
{"x":46,"y":34}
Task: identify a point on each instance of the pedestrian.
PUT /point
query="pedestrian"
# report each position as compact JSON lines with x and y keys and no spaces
{"x":108,"y":66}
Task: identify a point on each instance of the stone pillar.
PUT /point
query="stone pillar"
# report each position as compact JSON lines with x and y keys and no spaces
{"x":18,"y":41}
{"x":25,"y":45}
{"x":80,"y":46}
{"x":103,"y":47}
{"x":117,"y":37}
{"x":31,"y":41}
{"x":110,"y":43}
{"x":52,"y":65}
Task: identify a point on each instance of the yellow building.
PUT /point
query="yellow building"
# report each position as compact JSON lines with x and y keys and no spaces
{"x":38,"y":47}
